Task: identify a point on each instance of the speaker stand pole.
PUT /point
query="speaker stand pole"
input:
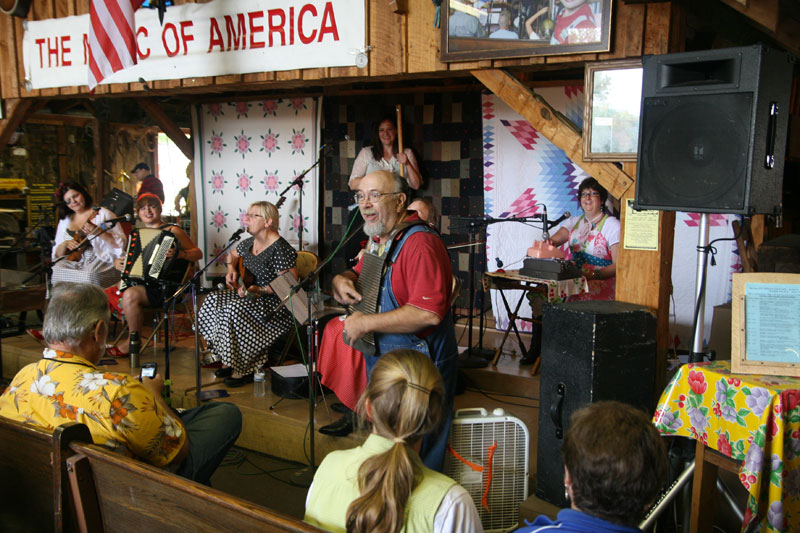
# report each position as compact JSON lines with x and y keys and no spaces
{"x":697,"y":353}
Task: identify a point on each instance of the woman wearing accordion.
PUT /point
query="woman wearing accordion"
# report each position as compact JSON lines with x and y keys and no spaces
{"x":238,"y":324}
{"x":135,"y":298}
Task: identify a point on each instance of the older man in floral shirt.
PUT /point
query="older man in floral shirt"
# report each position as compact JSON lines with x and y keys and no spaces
{"x":122,"y":414}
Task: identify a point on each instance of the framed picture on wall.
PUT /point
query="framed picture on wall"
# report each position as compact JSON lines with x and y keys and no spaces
{"x":481,"y":29}
{"x":613,"y":92}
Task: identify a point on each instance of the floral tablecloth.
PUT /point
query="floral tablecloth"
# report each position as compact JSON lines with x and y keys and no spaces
{"x":557,"y":290}
{"x":753,"y":419}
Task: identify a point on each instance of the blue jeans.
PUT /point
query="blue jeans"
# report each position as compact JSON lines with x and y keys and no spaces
{"x":211,"y":429}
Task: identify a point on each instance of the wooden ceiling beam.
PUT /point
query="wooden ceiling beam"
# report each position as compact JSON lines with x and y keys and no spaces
{"x":553,"y":125}
{"x":18,"y":109}
{"x":168,"y":126}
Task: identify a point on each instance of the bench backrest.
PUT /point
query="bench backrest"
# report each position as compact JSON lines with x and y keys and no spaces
{"x":131,"y":494}
{"x":33,"y":481}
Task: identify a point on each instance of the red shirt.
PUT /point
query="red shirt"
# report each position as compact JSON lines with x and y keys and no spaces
{"x":422,"y":276}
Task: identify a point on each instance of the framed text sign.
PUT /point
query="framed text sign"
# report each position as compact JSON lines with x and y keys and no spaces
{"x":765,"y":325}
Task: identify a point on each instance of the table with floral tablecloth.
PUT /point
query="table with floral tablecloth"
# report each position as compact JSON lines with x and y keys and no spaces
{"x":750,"y":418}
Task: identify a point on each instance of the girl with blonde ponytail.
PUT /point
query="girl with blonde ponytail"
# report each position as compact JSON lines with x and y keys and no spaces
{"x":382,"y":486}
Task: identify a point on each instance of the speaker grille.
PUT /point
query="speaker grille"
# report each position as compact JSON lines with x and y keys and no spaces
{"x":695,"y":152}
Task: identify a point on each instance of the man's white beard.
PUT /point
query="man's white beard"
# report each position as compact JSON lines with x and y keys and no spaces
{"x":375,"y":229}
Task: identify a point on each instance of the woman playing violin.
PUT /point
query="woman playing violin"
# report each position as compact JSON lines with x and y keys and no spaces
{"x":236,"y":322}
{"x":93,"y":261}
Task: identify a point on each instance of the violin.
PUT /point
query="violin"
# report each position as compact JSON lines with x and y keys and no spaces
{"x":75,"y":255}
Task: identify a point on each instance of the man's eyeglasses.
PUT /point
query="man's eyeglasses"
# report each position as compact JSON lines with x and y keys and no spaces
{"x":589,"y":194}
{"x":373,"y":196}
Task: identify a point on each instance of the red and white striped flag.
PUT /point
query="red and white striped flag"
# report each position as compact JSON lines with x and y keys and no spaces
{"x":112,"y":38}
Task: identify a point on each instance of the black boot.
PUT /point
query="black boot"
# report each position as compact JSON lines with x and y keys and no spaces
{"x":342,"y":427}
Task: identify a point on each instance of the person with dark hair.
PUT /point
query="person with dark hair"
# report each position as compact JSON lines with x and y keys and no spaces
{"x":593,"y":240}
{"x":140,"y":295}
{"x":382,"y":485}
{"x":383,"y":154}
{"x":615,"y":463}
{"x":146,"y":182}
{"x":122,"y":413}
{"x":239,"y":324}
{"x":79,"y":220}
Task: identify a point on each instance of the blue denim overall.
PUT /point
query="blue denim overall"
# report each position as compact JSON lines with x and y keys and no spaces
{"x":440,"y":346}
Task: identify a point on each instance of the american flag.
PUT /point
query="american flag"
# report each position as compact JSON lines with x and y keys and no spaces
{"x":112,"y":41}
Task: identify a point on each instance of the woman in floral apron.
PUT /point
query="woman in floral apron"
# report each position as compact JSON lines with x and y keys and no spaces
{"x":593,"y":239}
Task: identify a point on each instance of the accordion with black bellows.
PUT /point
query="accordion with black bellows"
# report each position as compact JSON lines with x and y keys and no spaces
{"x":146,"y":259}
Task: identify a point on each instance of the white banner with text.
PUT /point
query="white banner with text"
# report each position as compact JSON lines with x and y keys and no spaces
{"x":213,"y":39}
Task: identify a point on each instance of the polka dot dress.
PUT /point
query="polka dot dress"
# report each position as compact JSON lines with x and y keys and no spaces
{"x":234,"y":327}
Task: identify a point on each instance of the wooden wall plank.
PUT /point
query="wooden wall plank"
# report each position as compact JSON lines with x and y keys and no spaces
{"x":424,"y":41}
{"x":628,"y":31}
{"x":657,"y":28}
{"x":9,"y":78}
{"x":386,"y":39}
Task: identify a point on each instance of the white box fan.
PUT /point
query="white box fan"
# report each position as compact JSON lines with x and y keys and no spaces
{"x":488,"y":456}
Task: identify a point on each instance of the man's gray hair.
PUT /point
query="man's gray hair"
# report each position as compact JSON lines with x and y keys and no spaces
{"x":73,"y":313}
{"x":400,"y":185}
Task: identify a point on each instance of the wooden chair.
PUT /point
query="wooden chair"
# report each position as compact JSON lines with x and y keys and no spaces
{"x":115,"y":493}
{"x":34,"y":491}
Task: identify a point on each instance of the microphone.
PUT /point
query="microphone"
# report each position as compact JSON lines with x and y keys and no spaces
{"x":110,"y":223}
{"x":344,"y":137}
{"x":352,"y":207}
{"x":236,"y":235}
{"x":561,"y":219}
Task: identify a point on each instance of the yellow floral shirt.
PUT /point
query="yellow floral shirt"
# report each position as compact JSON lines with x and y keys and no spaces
{"x":120,"y":412}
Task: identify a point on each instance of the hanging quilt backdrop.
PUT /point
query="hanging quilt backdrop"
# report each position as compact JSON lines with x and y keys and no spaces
{"x":249,"y":152}
{"x":523,"y":172}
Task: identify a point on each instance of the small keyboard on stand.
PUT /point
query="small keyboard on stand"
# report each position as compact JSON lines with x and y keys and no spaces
{"x":555,"y":269}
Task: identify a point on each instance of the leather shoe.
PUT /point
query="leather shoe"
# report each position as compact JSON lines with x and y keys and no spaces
{"x":342,"y":427}
{"x":224,"y":372}
{"x":339,"y":407}
{"x":239,"y":382}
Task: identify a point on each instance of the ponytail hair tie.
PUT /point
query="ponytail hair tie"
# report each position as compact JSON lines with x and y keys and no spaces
{"x":399,"y":440}
{"x":420,"y":388}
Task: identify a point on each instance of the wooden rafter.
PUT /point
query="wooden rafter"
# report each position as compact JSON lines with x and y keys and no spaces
{"x":168,"y":126}
{"x":18,"y":109}
{"x":553,"y":125}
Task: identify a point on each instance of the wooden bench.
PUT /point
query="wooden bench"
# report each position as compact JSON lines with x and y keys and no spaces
{"x":34,"y":487}
{"x":114,"y":493}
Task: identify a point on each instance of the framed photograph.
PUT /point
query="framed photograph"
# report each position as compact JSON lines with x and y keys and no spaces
{"x":765,"y":324}
{"x":613,"y":92}
{"x":486,"y":29}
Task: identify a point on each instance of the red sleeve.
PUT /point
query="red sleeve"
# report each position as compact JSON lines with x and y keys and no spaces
{"x":422,"y":275}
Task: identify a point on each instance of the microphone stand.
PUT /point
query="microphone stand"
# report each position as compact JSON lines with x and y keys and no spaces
{"x":194,"y":282}
{"x":299,"y":182}
{"x":476,"y":357}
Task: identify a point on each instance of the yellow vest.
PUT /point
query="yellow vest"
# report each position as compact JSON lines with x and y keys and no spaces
{"x":336,"y":486}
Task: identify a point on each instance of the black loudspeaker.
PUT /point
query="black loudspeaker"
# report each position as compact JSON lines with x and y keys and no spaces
{"x":118,"y":202}
{"x":713,"y":128}
{"x":591,"y":351}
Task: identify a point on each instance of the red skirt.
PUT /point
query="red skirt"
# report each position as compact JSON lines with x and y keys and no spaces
{"x":343,"y":368}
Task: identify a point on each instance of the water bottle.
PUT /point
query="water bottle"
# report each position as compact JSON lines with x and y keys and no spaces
{"x":259,"y":383}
